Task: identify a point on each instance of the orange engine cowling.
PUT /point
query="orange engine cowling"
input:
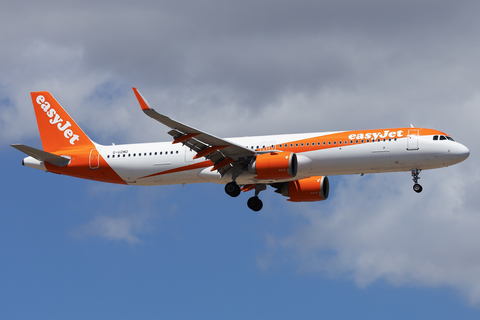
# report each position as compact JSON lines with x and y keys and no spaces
{"x":308,"y":189}
{"x":274,"y":165}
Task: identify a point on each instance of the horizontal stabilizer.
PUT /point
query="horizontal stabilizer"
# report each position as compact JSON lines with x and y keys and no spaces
{"x":41,"y":155}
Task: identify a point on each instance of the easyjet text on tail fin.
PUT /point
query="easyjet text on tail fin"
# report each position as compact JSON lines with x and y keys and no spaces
{"x":57,"y":129}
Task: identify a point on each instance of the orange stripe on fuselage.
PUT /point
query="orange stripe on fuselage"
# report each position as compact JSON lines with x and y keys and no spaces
{"x":203,"y":164}
{"x":348,"y":138}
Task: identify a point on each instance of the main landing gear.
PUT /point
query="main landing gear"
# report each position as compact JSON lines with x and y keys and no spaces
{"x":254,"y":203}
{"x":415,"y":174}
{"x":232,"y":189}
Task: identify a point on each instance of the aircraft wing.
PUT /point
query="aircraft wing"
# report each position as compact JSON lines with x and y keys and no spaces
{"x":224,"y":154}
{"x":41,"y":155}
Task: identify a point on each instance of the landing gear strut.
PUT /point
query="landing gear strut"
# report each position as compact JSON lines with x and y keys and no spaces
{"x":415,"y":174}
{"x":232,"y":189}
{"x":254,"y":202}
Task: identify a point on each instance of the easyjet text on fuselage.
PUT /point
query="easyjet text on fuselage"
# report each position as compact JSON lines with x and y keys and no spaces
{"x":377,"y":135}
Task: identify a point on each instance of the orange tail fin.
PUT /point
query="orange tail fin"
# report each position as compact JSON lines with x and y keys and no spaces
{"x":57,"y":128}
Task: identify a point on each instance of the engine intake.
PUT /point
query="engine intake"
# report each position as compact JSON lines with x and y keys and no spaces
{"x":274,"y":165}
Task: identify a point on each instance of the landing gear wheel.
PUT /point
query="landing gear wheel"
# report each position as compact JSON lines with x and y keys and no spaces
{"x":232,"y":189}
{"x":255,"y":203}
{"x":417,"y":188}
{"x":415,"y":175}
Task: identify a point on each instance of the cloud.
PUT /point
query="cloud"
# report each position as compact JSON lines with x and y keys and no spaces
{"x":376,"y":228}
{"x":123,"y":216}
{"x":109,"y":228}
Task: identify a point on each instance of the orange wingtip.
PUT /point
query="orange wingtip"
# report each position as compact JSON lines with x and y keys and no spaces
{"x":141,"y":100}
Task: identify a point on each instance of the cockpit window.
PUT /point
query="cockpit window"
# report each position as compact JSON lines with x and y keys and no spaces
{"x":450,"y":138}
{"x":435,"y":137}
{"x":443,"y":138}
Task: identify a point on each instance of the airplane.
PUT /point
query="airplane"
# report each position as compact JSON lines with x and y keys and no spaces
{"x":297,"y":166}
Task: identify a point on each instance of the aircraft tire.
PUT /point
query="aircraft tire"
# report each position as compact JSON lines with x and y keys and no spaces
{"x":255,"y":204}
{"x":417,"y":188}
{"x":232,"y":189}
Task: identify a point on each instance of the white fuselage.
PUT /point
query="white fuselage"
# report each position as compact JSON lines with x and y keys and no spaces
{"x":166,"y":163}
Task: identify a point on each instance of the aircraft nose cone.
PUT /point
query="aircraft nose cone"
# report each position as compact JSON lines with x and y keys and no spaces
{"x":462,"y":152}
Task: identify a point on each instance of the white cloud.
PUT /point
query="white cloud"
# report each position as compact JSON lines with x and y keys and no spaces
{"x":376,"y":227}
{"x":109,"y":228}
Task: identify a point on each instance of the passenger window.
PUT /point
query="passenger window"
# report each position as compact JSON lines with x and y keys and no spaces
{"x":339,"y":142}
{"x":334,"y":142}
{"x":155,"y":153}
{"x":302,"y":144}
{"x":329,"y":142}
{"x":108,"y":156}
{"x":124,"y":155}
{"x":323,"y":142}
{"x":308,"y":144}
{"x":356,"y":141}
{"x":133,"y":155}
{"x":171,"y":152}
{"x":362,"y":141}
{"x":176,"y":152}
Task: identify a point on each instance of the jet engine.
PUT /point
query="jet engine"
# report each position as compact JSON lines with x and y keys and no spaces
{"x":303,"y":190}
{"x":274,"y":165}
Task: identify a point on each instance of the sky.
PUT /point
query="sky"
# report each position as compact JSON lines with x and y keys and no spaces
{"x":78,"y":249}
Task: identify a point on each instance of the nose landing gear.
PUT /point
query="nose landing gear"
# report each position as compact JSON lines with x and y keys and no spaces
{"x":415,"y":174}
